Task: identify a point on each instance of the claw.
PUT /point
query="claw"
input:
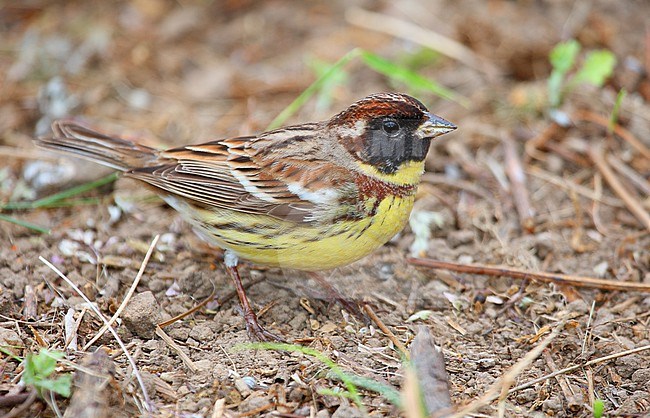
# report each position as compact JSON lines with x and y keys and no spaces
{"x":256,"y":332}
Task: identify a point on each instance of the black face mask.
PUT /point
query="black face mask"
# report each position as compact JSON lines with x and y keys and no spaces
{"x":390,"y":142}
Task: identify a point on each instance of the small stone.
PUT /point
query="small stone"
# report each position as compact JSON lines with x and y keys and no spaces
{"x":298,"y":321}
{"x":475,"y":328}
{"x":579,"y":306}
{"x":642,"y":378}
{"x":191,"y":342}
{"x":169,"y":377}
{"x":527,"y":395}
{"x":202,"y":332}
{"x":458,"y":238}
{"x":142,"y":314}
{"x":375,"y":343}
{"x":195,"y":283}
{"x":203,"y":366}
{"x":323,"y":413}
{"x":347,"y":411}
{"x":337,"y":341}
{"x":178,"y":331}
{"x":242,"y":387}
{"x":151,"y":345}
{"x":632,"y":405}
{"x":486,"y":363}
{"x":6,"y":302}
{"x":554,"y":403}
{"x":253,"y":403}
{"x":10,"y":340}
{"x":157,"y":285}
{"x":220,"y":372}
{"x":297,"y":395}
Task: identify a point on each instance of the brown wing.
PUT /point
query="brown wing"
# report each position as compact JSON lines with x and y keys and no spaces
{"x":276,"y":174}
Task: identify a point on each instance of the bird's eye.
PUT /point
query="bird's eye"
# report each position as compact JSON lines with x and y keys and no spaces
{"x":390,"y":126}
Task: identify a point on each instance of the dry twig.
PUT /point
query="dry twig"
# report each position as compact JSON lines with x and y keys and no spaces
{"x":17,"y":411}
{"x":570,"y":185}
{"x":398,"y":344}
{"x":595,"y":153}
{"x":170,"y":342}
{"x":579,"y":366}
{"x":574,"y":401}
{"x":30,"y":303}
{"x":626,"y":135}
{"x":558,"y":278}
{"x":515,"y":172}
{"x":205,"y":301}
{"x":639,"y":181}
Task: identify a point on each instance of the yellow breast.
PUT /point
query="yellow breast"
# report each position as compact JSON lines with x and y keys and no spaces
{"x":339,"y":245}
{"x":274,"y":242}
{"x":282,"y":244}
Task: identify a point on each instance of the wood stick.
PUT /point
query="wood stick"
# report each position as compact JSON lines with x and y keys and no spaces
{"x":580,"y":366}
{"x":562,"y":279}
{"x":595,"y":153}
{"x":515,"y":172}
{"x":623,"y":133}
{"x":398,"y":344}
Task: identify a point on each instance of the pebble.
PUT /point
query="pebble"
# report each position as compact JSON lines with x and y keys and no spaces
{"x":178,"y":331}
{"x":203,"y":366}
{"x":323,"y":413}
{"x":337,"y":341}
{"x":642,"y":377}
{"x":202,"y":332}
{"x":458,"y":238}
{"x":527,"y":395}
{"x":252,"y":403}
{"x":10,"y":339}
{"x":554,"y":403}
{"x":347,"y":411}
{"x":142,"y":314}
{"x":242,"y":387}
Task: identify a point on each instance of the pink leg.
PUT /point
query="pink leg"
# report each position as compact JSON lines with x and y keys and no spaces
{"x":254,"y":329}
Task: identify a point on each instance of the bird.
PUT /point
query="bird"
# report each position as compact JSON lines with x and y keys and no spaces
{"x":309,"y":197}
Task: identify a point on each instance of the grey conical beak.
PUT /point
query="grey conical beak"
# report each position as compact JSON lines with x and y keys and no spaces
{"x":434,"y":126}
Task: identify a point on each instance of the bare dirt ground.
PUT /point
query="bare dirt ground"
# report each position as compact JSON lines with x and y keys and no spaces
{"x":171,"y":73}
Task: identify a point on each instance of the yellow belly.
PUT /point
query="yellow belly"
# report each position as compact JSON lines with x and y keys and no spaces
{"x":273,"y":242}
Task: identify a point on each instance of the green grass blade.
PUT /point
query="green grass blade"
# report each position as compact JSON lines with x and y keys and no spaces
{"x":613,"y":117}
{"x":4,"y":350}
{"x":25,"y":224}
{"x":351,"y":381}
{"x":412,"y":79}
{"x":353,"y":392}
{"x":81,"y":201}
{"x":390,"y":393}
{"x":313,"y":88}
{"x":55,"y":199}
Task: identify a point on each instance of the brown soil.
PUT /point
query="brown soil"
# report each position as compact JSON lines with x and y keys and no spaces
{"x":170,"y":73}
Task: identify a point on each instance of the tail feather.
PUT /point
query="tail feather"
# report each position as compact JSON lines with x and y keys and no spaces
{"x":74,"y":138}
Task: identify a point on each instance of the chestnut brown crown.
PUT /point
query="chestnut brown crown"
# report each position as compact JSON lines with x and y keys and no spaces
{"x":387,"y":130}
